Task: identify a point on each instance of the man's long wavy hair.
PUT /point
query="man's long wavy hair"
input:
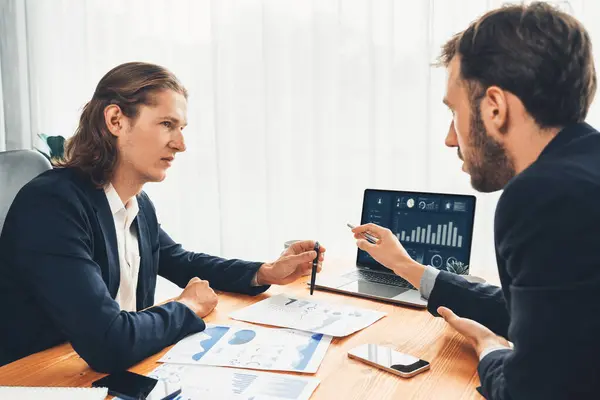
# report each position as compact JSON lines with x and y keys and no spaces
{"x":92,"y":150}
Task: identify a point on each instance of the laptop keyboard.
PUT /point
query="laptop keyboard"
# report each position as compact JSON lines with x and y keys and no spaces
{"x":375,"y":277}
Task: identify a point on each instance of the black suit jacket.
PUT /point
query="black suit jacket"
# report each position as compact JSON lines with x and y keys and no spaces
{"x":59,"y":275}
{"x":547,"y":239}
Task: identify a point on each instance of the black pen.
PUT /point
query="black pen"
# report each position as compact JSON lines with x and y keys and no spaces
{"x":313,"y":274}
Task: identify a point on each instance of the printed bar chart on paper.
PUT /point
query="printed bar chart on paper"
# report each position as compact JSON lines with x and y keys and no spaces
{"x":199,"y":382}
{"x":308,"y":315}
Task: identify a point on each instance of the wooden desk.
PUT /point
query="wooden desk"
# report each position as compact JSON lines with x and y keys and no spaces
{"x":453,"y":363}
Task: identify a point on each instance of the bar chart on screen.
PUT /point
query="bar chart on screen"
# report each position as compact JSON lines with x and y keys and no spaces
{"x":434,"y":228}
{"x":440,"y":239}
{"x":440,"y":234}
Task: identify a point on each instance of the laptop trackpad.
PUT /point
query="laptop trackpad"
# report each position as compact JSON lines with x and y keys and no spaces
{"x":373,"y":289}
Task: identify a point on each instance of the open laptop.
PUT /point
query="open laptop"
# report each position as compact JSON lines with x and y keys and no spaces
{"x":435,"y":229}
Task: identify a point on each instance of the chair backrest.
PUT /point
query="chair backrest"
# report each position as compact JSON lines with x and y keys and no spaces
{"x":17,"y":167}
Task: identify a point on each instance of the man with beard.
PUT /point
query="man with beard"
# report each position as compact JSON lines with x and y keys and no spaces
{"x":520,"y":83}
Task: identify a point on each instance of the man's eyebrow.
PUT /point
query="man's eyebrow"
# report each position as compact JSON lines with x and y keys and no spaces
{"x":174,"y":120}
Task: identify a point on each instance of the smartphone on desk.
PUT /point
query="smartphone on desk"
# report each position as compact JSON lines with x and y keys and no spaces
{"x":127,"y":385}
{"x":389,"y":360}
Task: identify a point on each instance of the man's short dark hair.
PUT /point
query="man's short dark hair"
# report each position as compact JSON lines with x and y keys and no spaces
{"x":537,"y":52}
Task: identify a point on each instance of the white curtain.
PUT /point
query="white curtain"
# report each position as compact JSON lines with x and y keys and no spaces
{"x":2,"y":123}
{"x":15,"y":129}
{"x":295,"y":107}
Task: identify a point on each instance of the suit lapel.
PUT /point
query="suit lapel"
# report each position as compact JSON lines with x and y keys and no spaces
{"x":107,"y":224}
{"x":145,"y":257}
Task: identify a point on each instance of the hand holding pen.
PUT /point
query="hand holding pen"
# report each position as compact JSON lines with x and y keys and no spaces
{"x":383,"y":246}
{"x":367,"y":236}
{"x":296,"y":261}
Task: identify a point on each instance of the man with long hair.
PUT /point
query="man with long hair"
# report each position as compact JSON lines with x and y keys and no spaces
{"x":81,"y":246}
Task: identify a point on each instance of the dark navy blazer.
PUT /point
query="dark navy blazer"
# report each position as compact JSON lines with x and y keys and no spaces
{"x":547,"y":239}
{"x":59,"y":275}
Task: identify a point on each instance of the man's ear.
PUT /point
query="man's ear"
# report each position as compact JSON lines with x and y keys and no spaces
{"x":494,"y":109}
{"x":114,"y":118}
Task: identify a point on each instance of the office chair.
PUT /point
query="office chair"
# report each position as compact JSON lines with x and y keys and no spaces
{"x":17,"y":167}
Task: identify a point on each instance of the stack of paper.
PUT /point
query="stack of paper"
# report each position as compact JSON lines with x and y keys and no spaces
{"x":300,"y":349}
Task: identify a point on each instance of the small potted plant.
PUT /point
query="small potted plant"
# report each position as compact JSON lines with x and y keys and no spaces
{"x":55,"y":145}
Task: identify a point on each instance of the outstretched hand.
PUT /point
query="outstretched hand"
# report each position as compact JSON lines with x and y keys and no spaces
{"x":478,"y":335}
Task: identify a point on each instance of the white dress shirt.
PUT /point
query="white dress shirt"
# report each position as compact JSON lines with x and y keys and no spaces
{"x":127,"y":243}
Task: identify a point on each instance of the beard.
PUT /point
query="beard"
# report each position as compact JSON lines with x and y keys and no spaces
{"x":488,"y":163}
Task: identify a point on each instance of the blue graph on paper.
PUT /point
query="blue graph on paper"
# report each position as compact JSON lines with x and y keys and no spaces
{"x":242,"y":337}
{"x":307,"y":351}
{"x":201,"y":383}
{"x":215,"y":334}
{"x":252,"y":348}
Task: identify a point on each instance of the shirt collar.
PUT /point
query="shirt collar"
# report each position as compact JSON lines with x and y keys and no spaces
{"x":116,"y":205}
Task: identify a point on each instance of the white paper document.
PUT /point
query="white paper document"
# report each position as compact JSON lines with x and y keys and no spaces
{"x":308,"y":315}
{"x":198,"y":382}
{"x":251,"y":347}
{"x":52,"y":393}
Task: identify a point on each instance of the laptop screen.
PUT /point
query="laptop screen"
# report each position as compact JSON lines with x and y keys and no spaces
{"x":435,"y":229}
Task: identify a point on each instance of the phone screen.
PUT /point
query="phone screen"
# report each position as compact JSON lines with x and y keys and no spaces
{"x":127,"y":385}
{"x":388,"y":357}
